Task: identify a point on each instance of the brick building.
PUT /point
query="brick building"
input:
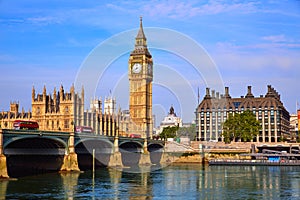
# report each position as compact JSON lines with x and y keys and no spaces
{"x":214,"y":109}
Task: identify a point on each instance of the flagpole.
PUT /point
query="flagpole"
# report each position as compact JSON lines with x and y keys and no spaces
{"x":198,"y":95}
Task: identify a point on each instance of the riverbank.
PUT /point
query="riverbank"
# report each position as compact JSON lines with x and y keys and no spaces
{"x":199,"y":152}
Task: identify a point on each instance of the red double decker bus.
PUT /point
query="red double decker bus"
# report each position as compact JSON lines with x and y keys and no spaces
{"x":23,"y":124}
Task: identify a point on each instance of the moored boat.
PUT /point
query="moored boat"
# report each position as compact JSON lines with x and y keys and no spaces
{"x":285,"y":159}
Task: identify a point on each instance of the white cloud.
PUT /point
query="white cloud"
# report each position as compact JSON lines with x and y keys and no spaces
{"x":181,"y":9}
{"x":275,"y":38}
{"x":256,"y":57}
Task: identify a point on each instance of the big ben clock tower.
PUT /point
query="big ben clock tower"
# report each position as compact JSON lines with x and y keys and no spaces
{"x":140,"y":75}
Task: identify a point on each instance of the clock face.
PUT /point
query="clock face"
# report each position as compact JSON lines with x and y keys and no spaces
{"x":137,"y":67}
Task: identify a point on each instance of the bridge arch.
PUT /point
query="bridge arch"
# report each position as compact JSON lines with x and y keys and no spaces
{"x":35,"y":142}
{"x":34,"y":154}
{"x":102,"y":149}
{"x":86,"y":140}
{"x":131,"y":152}
{"x":124,"y":143}
{"x":156,"y":150}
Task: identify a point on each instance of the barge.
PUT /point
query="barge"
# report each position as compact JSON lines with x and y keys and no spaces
{"x":282,"y":159}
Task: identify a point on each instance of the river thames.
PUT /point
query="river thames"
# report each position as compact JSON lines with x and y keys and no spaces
{"x":184,"y":181}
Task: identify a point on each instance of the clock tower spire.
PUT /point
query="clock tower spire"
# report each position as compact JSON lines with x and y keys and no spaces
{"x":140,"y":76}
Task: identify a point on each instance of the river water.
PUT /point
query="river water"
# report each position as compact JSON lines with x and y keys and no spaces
{"x":185,"y":181}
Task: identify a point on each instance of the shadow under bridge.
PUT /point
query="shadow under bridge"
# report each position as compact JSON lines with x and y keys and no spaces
{"x":131,"y":152}
{"x":156,"y":150}
{"x":100,"y":148}
{"x":34,"y":155}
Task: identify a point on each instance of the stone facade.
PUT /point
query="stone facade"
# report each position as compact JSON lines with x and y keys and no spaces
{"x":140,"y":74}
{"x":7,"y":118}
{"x":62,"y":111}
{"x":170,"y":120}
{"x":293,"y":127}
{"x":214,"y":109}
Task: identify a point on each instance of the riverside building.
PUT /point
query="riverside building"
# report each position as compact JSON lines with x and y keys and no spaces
{"x":170,"y":120}
{"x":63,"y":111}
{"x":214,"y":109}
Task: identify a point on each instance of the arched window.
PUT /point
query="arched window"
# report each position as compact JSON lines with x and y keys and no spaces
{"x":38,"y":110}
{"x":66,"y":109}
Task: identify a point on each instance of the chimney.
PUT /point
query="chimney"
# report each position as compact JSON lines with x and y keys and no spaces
{"x":217,"y":95}
{"x":207,"y":91}
{"x":269,"y":88}
{"x":227,"y":92}
{"x":213,"y":93}
{"x":207,"y":96}
{"x":249,"y":93}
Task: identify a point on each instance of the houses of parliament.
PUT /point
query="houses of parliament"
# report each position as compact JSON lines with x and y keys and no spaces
{"x":62,"y":110}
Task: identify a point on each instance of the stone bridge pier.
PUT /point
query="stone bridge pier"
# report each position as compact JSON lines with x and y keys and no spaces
{"x":116,"y":156}
{"x":3,"y":167}
{"x":70,"y":162}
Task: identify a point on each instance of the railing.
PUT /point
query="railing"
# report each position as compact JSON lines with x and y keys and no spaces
{"x":23,"y":131}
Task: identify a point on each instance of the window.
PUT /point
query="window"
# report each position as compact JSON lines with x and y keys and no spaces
{"x":66,"y":123}
{"x":236,"y":104}
{"x":38,"y":110}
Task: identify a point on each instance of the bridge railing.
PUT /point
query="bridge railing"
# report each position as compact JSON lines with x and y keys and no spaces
{"x":24,"y":131}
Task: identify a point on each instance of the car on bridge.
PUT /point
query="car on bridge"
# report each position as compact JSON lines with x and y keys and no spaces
{"x":134,"y":135}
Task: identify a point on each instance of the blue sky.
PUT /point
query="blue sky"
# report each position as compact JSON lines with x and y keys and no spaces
{"x":251,"y":43}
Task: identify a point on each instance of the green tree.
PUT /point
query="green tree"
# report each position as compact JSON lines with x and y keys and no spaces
{"x":241,"y":126}
{"x":230,"y":128}
{"x":169,"y":132}
{"x":189,"y":131}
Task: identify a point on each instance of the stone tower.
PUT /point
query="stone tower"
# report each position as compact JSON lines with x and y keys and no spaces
{"x":140,"y":73}
{"x":59,"y":111}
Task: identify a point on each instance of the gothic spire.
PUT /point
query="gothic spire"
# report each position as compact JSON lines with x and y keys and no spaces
{"x":33,"y":93}
{"x":141,"y":42}
{"x":141,"y":34}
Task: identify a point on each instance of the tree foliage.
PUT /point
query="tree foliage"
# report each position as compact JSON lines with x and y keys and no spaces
{"x":241,"y":126}
{"x":169,"y":132}
{"x":189,"y":131}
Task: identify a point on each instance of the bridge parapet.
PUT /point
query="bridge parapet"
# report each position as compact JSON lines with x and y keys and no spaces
{"x":37,"y":132}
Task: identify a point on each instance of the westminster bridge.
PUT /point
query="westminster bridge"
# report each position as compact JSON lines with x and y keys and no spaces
{"x":28,"y":151}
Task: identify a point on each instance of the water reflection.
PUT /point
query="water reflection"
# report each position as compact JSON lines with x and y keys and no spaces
{"x":70,"y":182}
{"x":172,"y":182}
{"x":3,"y":188}
{"x":249,"y":182}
